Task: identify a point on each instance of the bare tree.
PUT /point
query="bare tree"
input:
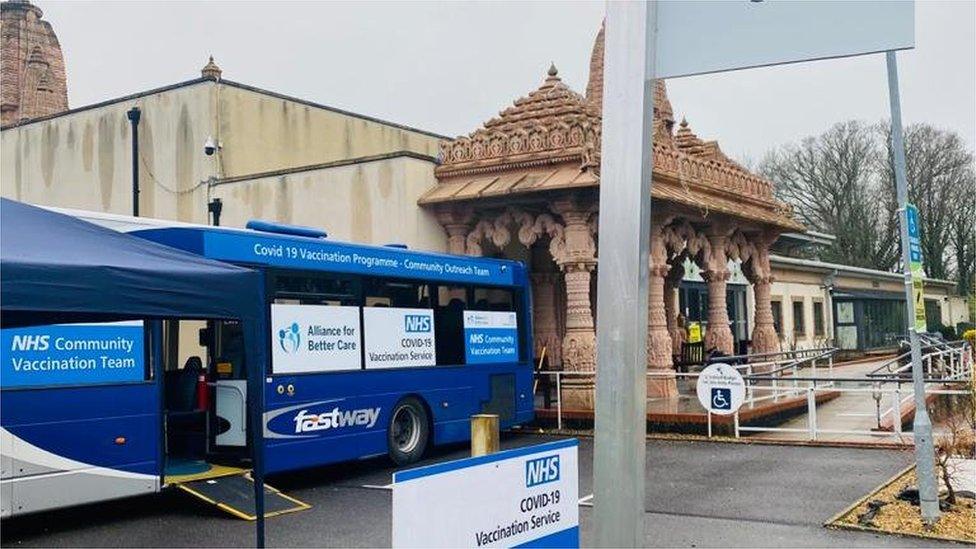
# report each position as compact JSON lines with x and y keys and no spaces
{"x":842,"y":182}
{"x":962,"y":235}
{"x":831,"y":180}
{"x":939,"y":170}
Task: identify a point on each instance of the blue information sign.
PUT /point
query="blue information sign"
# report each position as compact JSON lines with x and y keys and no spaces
{"x":72,"y":354}
{"x":490,"y":336}
{"x":914,"y":240}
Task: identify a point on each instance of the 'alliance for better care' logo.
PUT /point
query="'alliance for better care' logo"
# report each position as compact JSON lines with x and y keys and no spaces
{"x":290,"y":338}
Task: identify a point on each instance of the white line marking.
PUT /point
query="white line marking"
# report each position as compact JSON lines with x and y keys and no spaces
{"x":586,"y":501}
{"x":378,"y":487}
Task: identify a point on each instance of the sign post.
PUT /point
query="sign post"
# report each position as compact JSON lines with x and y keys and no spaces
{"x":911,"y":254}
{"x":624,"y":234}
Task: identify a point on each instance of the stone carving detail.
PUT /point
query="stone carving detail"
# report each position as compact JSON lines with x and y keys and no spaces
{"x":483,"y":230}
{"x":577,"y":261}
{"x":33,"y":82}
{"x":671,"y":282}
{"x":457,"y":224}
{"x":544,"y":316}
{"x":552,"y":124}
{"x":657,"y":356}
{"x":718,"y":334}
{"x":758,"y":271}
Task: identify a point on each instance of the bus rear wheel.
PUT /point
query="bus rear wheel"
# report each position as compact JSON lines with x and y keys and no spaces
{"x":408,"y":431}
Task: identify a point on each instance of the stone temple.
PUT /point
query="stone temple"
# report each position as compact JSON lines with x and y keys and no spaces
{"x":32,"y":69}
{"x":526,"y":186}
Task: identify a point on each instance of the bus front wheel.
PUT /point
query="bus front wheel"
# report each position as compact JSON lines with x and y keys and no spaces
{"x":408,"y":432}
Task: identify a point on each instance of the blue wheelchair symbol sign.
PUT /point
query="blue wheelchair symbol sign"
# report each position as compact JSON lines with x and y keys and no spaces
{"x":721,"y":398}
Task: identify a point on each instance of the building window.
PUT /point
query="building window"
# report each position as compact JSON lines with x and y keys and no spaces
{"x":933,"y":315}
{"x":777,"y":306}
{"x":818,"y":318}
{"x":799,"y":319}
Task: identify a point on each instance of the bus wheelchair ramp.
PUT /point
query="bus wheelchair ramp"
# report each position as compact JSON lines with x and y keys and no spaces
{"x":235,"y":495}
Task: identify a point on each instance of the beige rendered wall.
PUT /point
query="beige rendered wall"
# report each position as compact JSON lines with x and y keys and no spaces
{"x":807,"y":294}
{"x":83,"y":159}
{"x":261,"y":133}
{"x":372,"y":202}
{"x":955,"y":310}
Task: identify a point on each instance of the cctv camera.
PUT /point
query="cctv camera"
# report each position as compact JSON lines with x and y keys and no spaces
{"x":210,"y":146}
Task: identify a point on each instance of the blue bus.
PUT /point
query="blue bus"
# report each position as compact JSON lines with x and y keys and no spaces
{"x":374,"y":350}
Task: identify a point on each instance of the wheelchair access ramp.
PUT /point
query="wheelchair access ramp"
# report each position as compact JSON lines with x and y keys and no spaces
{"x":234,"y":494}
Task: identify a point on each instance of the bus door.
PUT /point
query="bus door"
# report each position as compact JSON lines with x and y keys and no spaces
{"x":228,"y":422}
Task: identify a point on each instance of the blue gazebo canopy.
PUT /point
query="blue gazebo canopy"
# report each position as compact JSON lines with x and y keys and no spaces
{"x":54,"y":267}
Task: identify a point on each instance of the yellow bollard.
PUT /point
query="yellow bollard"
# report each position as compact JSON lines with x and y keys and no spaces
{"x":484,"y":434}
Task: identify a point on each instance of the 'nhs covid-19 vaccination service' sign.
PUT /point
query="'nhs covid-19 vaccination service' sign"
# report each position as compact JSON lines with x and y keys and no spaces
{"x":523,"y":497}
{"x":490,"y":336}
{"x":73,"y":354}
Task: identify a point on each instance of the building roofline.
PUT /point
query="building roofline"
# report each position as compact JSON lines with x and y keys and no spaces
{"x":810,"y":237}
{"x":860,"y":272}
{"x":231,"y":83}
{"x":106,"y":103}
{"x":327,"y":165}
{"x":299,"y":100}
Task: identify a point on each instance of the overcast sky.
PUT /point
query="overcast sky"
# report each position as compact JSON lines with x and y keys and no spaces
{"x":448,"y":67}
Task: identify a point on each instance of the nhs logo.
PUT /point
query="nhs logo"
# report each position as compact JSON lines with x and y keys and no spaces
{"x":30,"y":343}
{"x":541,"y":470}
{"x":416,"y":323}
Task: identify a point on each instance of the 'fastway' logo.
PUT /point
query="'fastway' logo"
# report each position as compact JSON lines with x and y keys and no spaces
{"x":306,"y":422}
{"x":541,"y":470}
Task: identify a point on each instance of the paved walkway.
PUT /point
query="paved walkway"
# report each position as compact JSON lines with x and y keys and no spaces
{"x":699,"y":494}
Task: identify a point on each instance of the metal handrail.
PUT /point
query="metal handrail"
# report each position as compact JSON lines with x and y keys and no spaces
{"x":958,"y":371}
{"x":792,"y":353}
{"x":950,"y":348}
{"x":795,"y":365}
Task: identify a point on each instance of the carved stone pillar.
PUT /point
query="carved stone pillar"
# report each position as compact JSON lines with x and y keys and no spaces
{"x":577,"y":260}
{"x":671,"y":283}
{"x":716,"y":274}
{"x":457,"y":224}
{"x":662,"y":381}
{"x":544,"y":329}
{"x":764,"y":338}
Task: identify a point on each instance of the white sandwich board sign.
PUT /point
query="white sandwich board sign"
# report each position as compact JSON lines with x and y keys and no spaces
{"x":522,"y":497}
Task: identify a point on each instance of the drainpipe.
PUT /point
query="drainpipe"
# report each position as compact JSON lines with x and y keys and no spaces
{"x":134,"y":114}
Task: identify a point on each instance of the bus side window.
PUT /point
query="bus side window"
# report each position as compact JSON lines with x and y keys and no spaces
{"x":378,"y":292}
{"x":492,"y":299}
{"x":315,"y":290}
{"x":449,"y":325}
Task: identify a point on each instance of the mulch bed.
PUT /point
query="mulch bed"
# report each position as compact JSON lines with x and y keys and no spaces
{"x":894,"y":516}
